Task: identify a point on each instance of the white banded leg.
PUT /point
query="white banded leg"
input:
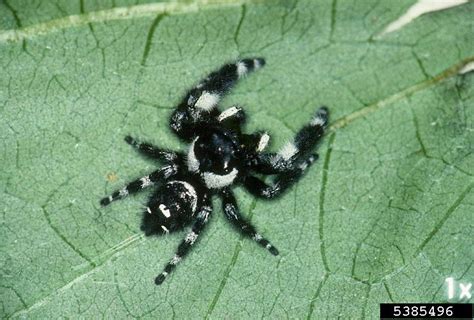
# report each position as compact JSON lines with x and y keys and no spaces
{"x":290,"y":155}
{"x":203,"y":99}
{"x":232,"y":213}
{"x":208,"y":93}
{"x":139,"y":184}
{"x":282,"y":182}
{"x":185,"y":246}
{"x":151,"y":151}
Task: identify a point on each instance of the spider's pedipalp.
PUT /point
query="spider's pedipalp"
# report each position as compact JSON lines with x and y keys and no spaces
{"x":263,"y":142}
{"x":232,"y":213}
{"x":140,"y":184}
{"x":232,"y":118}
{"x":256,"y":142}
{"x":232,"y":112}
{"x":186,"y":244}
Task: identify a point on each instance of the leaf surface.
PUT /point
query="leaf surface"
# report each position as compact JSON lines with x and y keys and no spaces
{"x":385,"y":215}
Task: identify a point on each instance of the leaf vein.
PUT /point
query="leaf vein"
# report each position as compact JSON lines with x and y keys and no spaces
{"x":375,"y":106}
{"x":238,"y":248}
{"x":322,"y":195}
{"x":120,"y":13}
{"x":446,"y":216}
{"x":316,"y":295}
{"x":243,"y":12}
{"x":149,"y":38}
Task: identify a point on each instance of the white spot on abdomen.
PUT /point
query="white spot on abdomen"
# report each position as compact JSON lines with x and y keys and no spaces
{"x":164,"y":210}
{"x":190,"y":192}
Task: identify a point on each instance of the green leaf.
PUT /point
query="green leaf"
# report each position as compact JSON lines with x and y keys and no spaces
{"x":385,"y":215}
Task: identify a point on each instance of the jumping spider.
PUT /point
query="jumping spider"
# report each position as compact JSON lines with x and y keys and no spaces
{"x":219,"y":157}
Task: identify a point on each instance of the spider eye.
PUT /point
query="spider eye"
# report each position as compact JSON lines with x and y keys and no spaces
{"x":216,"y":153}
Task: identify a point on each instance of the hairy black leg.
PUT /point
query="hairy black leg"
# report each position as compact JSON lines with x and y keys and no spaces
{"x":232,"y":213}
{"x":199,"y":104}
{"x":271,"y":163}
{"x":185,"y":246}
{"x":293,"y":152}
{"x":282,"y":182}
{"x":139,"y":184}
{"x":151,"y":151}
{"x":310,"y":134}
{"x":212,"y":89}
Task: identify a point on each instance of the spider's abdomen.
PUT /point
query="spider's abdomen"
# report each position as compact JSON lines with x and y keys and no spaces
{"x":171,"y":207}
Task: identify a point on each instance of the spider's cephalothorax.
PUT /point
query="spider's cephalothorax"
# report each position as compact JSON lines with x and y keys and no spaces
{"x":219,"y":157}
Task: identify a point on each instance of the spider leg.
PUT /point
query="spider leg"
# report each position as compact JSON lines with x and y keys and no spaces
{"x":187,"y":243}
{"x":199,"y":104}
{"x":282,"y":182}
{"x":152,"y":151}
{"x":291,"y":154}
{"x":232,"y":213}
{"x":139,"y":184}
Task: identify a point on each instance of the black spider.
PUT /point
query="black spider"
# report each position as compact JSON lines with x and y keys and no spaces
{"x":219,"y":157}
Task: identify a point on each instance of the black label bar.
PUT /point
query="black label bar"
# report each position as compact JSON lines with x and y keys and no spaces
{"x":426,"y":311}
